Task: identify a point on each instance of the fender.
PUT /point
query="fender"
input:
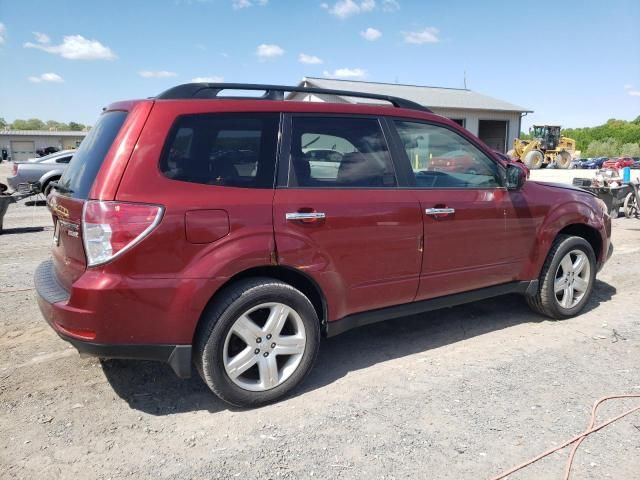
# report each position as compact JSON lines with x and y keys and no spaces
{"x":559,"y":217}
{"x":44,"y":179}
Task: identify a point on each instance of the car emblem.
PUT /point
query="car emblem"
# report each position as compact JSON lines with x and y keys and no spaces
{"x":60,"y":210}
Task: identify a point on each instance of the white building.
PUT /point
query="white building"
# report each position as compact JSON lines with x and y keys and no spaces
{"x":494,"y":121}
{"x":20,"y":145}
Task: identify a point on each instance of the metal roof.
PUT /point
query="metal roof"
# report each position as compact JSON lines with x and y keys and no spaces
{"x":432,"y":97}
{"x":43,"y":133}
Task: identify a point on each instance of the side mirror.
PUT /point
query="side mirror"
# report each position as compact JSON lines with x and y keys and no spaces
{"x":516,"y":176}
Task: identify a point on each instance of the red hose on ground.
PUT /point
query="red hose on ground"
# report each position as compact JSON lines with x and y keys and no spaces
{"x":578,"y":438}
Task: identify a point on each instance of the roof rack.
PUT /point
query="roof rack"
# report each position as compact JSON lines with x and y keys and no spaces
{"x":274,"y":92}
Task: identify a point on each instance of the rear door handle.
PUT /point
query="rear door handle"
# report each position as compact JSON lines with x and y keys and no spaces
{"x":307,"y":217}
{"x":440,"y":211}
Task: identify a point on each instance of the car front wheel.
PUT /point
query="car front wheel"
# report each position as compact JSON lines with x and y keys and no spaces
{"x":257,"y":342}
{"x":567,"y":278}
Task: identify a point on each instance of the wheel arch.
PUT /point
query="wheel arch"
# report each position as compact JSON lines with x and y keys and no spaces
{"x":300,"y":280}
{"x":589,"y":233}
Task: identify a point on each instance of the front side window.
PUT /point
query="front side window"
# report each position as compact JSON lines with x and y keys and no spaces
{"x":441,"y":158}
{"x":339,"y":152}
{"x":236,"y":150}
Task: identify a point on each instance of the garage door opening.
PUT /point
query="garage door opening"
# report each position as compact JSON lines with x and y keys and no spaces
{"x":494,"y":133}
{"x":22,"y":150}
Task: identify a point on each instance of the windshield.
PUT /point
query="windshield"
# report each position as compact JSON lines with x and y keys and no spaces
{"x":87,"y":160}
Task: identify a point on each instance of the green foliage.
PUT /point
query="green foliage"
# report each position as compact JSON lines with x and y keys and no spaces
{"x":620,"y":131}
{"x":525,"y":136}
{"x":603,"y":148}
{"x":37,"y":124}
{"x":630,"y":150}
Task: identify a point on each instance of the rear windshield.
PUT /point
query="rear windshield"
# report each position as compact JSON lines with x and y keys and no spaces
{"x":78,"y":178}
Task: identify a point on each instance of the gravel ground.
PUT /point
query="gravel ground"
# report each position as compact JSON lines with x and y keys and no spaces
{"x":461,"y":393}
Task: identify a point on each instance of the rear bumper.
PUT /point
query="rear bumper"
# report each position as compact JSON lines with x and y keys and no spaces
{"x":96,"y":321}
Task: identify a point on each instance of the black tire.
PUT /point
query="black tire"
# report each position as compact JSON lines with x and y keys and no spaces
{"x":47,"y":187}
{"x":219,"y":319}
{"x":545,"y":301}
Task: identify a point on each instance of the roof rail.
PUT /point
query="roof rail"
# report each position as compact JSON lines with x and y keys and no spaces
{"x":273,"y":92}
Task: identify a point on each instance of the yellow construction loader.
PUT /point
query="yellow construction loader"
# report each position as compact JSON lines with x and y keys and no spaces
{"x":546,"y":146}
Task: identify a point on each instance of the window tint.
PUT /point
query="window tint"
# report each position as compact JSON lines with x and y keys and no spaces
{"x":339,"y":152}
{"x":223,"y":149}
{"x":440,"y":158}
{"x":78,"y":178}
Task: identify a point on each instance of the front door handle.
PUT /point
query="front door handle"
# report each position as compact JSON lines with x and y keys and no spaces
{"x":440,"y":211}
{"x":306,"y":217}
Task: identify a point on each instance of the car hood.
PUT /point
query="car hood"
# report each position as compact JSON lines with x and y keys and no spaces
{"x":565,"y":186}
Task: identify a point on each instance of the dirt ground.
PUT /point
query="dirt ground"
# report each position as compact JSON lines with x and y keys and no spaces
{"x":461,"y":393}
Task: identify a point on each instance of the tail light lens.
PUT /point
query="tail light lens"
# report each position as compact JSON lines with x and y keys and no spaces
{"x":111,"y":228}
{"x":14,"y":169}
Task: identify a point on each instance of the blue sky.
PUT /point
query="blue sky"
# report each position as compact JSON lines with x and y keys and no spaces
{"x":575,"y":63}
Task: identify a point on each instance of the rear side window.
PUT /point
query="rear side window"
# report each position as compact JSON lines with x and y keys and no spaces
{"x":83,"y":168}
{"x":339,"y":152}
{"x":237,"y":150}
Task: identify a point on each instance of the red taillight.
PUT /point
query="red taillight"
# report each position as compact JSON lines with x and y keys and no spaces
{"x":14,"y":169}
{"x":111,"y":228}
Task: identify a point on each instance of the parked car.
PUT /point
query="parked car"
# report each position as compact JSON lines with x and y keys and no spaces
{"x":44,"y":170}
{"x":636,"y":162}
{"x":163,"y":251}
{"x":595,"y":163}
{"x":618,"y":163}
{"x":578,"y":163}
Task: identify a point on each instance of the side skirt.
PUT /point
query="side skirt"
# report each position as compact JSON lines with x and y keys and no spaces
{"x":374,"y":316}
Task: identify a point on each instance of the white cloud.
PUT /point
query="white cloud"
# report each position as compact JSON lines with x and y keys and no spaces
{"x":239,"y":4}
{"x":73,"y":47}
{"x":634,"y":93}
{"x":3,"y":34}
{"x":156,"y":74}
{"x":346,"y":73}
{"x":346,"y":8}
{"x":371,"y":34}
{"x":46,"y":77}
{"x":390,"y":6}
{"x":309,"y":59}
{"x":212,"y":79}
{"x":41,"y":37}
{"x":428,"y":35}
{"x":265,"y":51}
{"x":628,"y":86}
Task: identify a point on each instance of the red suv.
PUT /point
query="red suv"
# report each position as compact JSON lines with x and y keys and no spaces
{"x":195,"y":228}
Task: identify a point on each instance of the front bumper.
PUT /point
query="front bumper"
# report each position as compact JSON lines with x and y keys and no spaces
{"x":71,"y":324}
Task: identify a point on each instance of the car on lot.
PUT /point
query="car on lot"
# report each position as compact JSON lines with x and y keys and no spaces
{"x":46,"y":170}
{"x":191,"y":228}
{"x":595,"y":163}
{"x":618,"y":163}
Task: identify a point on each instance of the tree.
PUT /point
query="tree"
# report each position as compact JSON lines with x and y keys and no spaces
{"x":630,"y":150}
{"x":76,"y":126}
{"x":31,"y":124}
{"x":3,"y":124}
{"x":54,"y":125}
{"x":605,"y":148}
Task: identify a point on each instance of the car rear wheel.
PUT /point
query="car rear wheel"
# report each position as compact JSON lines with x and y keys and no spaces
{"x":567,"y":278}
{"x":630,"y":205}
{"x":257,"y":342}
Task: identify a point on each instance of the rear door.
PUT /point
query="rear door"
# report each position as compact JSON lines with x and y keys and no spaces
{"x":340,"y":216}
{"x":464,"y":207}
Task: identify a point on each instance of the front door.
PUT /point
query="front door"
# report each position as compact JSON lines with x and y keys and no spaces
{"x":464,"y":207}
{"x":342,"y":218}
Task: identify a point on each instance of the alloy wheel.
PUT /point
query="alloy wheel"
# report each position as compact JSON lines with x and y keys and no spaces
{"x":264,"y":346}
{"x":572,"y":279}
